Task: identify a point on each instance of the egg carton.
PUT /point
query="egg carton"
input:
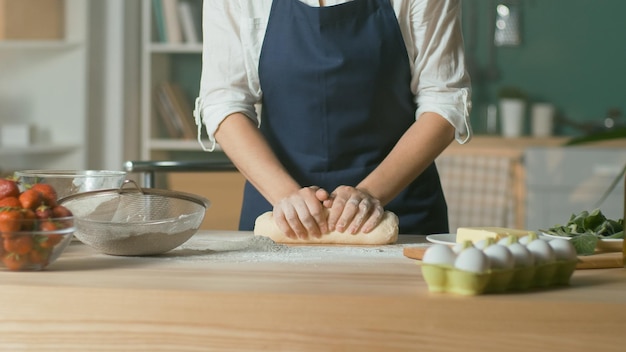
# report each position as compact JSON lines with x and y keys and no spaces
{"x":443,"y":278}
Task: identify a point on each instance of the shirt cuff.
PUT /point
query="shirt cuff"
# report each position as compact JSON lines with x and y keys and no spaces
{"x":453,"y":106}
{"x":212,"y":116}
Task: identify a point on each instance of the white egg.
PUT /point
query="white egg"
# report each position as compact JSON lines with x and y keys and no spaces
{"x":522,"y":256}
{"x":563,"y":249}
{"x":499,"y":257}
{"x":472,"y":260}
{"x":542,"y":251}
{"x":457,"y":248}
{"x":525,"y":240}
{"x":439,"y":254}
{"x":507,"y":240}
{"x":484,"y":243}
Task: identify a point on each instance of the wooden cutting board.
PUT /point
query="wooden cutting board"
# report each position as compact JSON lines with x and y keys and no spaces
{"x":596,"y":261}
{"x":601,"y":260}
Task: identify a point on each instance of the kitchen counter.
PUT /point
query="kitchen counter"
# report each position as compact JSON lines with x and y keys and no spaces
{"x":221,"y":291}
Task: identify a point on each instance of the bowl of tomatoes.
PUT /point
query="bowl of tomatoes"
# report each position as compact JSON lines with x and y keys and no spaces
{"x":34,"y":228}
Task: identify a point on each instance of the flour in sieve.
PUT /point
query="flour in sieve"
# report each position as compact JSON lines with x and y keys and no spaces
{"x":135,"y":244}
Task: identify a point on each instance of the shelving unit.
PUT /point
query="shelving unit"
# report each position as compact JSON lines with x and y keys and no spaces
{"x":182,"y":64}
{"x":179,"y":63}
{"x":44,"y":84}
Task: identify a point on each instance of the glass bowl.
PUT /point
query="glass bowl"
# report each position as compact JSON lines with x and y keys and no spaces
{"x":32,"y":244}
{"x":68,"y":182}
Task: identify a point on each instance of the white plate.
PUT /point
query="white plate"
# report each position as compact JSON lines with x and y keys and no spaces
{"x":604,"y":244}
{"x":442,"y":238}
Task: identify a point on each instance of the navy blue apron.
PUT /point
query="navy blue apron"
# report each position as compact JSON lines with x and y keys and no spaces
{"x":336,"y":99}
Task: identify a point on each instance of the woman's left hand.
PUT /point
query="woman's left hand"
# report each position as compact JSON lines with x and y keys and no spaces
{"x":353,"y":209}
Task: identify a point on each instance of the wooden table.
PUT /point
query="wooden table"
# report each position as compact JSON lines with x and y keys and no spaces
{"x":322,"y":299}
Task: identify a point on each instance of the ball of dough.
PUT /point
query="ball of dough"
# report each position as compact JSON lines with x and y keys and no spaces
{"x":385,"y":233}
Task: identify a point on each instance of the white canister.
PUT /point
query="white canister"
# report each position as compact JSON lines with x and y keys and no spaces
{"x":542,"y":119}
{"x":512,"y":113}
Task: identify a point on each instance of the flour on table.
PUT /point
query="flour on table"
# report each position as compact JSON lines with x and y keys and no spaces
{"x":264,"y":249}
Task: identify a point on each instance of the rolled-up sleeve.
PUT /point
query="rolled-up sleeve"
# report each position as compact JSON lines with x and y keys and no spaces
{"x":225,"y":87}
{"x":440,"y":81}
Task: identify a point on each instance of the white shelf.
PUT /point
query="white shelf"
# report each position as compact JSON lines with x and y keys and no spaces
{"x":175,"y":144}
{"x":39,"y":45}
{"x":190,"y":145}
{"x":38,"y":150}
{"x":174,"y":48}
{"x":45,"y":85}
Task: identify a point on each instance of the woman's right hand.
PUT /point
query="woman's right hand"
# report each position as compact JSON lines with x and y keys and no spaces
{"x":298,"y":211}
{"x":301,"y":214}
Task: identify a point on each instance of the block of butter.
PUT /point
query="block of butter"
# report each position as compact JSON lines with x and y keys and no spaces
{"x":475,"y":234}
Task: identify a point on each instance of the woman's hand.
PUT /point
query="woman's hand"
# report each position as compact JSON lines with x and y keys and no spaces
{"x":301,"y":214}
{"x":353,"y":209}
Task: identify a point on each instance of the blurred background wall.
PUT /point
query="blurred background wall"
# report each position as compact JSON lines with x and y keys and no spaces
{"x":572,"y":54}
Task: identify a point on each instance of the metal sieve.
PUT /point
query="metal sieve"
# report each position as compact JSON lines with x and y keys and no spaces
{"x":134,"y":220}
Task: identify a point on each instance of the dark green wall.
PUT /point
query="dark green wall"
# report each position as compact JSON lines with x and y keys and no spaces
{"x":573,"y":55}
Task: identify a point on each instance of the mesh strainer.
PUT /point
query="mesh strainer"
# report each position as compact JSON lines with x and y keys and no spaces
{"x":135,"y":221}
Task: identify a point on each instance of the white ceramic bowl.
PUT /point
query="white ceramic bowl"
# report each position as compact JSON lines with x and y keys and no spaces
{"x":603,"y":245}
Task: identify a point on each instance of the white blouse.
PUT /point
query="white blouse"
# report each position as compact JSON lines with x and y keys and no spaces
{"x":233,"y":32}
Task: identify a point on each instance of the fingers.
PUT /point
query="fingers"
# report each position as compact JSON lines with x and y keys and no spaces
{"x":321,"y":194}
{"x":364,"y":209}
{"x":350,"y":214}
{"x":354,"y":210}
{"x":287,"y":221}
{"x":374,"y":219}
{"x":313,"y":219}
{"x":301,"y":214}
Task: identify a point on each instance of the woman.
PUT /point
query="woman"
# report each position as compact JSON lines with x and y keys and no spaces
{"x":358,"y":99}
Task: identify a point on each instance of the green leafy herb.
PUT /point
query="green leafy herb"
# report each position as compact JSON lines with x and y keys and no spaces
{"x":587,"y":228}
{"x":585,"y":244}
